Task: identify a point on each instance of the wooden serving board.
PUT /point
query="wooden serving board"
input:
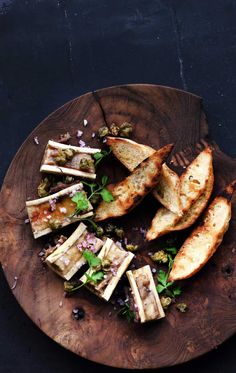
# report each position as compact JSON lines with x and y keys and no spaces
{"x":160,"y":115}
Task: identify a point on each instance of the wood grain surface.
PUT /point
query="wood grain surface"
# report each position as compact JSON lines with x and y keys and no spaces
{"x":160,"y":115}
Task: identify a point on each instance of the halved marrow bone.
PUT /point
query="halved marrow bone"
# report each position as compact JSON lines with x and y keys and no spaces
{"x":145,"y":299}
{"x":68,"y":159}
{"x":55,"y":211}
{"x":119,"y":261}
{"x":68,"y":258}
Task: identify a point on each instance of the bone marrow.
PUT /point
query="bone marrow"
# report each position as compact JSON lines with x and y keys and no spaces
{"x":68,"y":258}
{"x":144,"y":299}
{"x":70,"y":160}
{"x":115,"y":261}
{"x":56,"y":211}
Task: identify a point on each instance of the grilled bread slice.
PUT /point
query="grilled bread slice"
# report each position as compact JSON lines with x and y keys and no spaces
{"x":192,"y":184}
{"x":204,"y":240}
{"x":131,"y":154}
{"x":197,"y":208}
{"x":167,"y":191}
{"x":129,"y":192}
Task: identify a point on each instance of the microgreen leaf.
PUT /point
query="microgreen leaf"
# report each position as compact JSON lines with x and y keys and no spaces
{"x":106,"y":195}
{"x":100,"y":155}
{"x":126,"y":312}
{"x":81,"y":201}
{"x":95,"y":277}
{"x":171,"y":250}
{"x":92,"y":259}
{"x":104,"y":180}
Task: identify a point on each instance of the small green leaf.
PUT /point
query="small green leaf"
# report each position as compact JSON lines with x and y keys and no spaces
{"x":81,"y":201}
{"x":97,"y":156}
{"x":104,"y":180}
{"x":106,"y":195}
{"x":171,"y":250}
{"x":92,"y":259}
{"x":177,"y":291}
{"x":160,"y":288}
{"x":97,"y":276}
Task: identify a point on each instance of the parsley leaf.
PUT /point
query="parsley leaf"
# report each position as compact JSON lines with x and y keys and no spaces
{"x":100,"y":189}
{"x":106,"y":195}
{"x":171,"y":250}
{"x":92,"y":259}
{"x":126,"y":312}
{"x":94,"y":277}
{"x":100,"y":155}
{"x":165,"y":286}
{"x":81,"y":201}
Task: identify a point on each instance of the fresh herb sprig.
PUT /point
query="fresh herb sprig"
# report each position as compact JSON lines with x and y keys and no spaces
{"x":126,"y":312}
{"x":94,"y":276}
{"x":164,"y":286}
{"x":101,"y":155}
{"x":97,"y":189}
{"x":81,"y":201}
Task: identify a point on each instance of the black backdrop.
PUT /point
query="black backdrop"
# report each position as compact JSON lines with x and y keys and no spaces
{"x":52,"y":51}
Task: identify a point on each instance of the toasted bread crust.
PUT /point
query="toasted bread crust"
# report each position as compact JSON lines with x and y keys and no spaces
{"x":167,"y":191}
{"x":192,"y":184}
{"x":129,"y":192}
{"x":203,"y":241}
{"x":197,"y":208}
{"x":129,"y":152}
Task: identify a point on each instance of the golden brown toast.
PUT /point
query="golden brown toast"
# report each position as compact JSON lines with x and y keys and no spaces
{"x":130,"y":191}
{"x":204,"y":240}
{"x":192,"y":184}
{"x":131,"y":154}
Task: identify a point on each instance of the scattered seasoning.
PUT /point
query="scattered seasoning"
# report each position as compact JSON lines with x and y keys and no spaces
{"x":78,"y":313}
{"x":14,"y":283}
{"x":104,"y":141}
{"x":63,"y":138}
{"x":131,"y":247}
{"x":60,"y":304}
{"x":182,"y":307}
{"x":36,"y":140}
{"x":160,"y":257}
{"x":93,"y":135}
{"x":82,"y":143}
{"x":154,"y":270}
{"x":79,"y":133}
{"x":165,"y":301}
{"x":26,"y":221}
{"x":85,"y":122}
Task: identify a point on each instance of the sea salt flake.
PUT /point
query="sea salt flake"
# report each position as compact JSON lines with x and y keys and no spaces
{"x":36,"y":140}
{"x":26,"y":221}
{"x":63,"y":210}
{"x":85,"y":122}
{"x":79,"y":133}
{"x":82,"y":143}
{"x":93,"y":135}
{"x":14,"y":283}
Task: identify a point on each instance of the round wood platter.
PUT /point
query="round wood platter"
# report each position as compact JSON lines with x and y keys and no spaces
{"x":160,"y":115}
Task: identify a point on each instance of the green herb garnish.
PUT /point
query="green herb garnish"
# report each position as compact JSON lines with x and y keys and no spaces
{"x":164,"y":286}
{"x":100,"y":155}
{"x":81,"y":201}
{"x":96,"y":275}
{"x":99,"y":189}
{"x":126,"y":312}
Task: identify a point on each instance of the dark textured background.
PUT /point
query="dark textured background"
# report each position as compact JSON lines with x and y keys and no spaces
{"x":52,"y":51}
